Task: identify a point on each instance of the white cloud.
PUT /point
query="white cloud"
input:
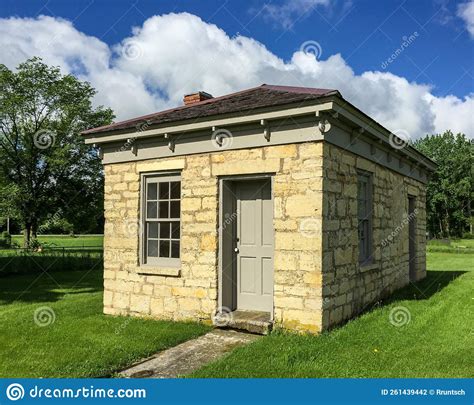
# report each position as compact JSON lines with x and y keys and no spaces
{"x":466,"y":12}
{"x":453,"y":113}
{"x":175,"y":54}
{"x":289,"y":12}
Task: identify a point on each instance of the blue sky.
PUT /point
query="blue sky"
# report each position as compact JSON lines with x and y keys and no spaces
{"x":438,"y":52}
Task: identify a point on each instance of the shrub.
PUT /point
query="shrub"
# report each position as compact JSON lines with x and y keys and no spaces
{"x":468,"y":235}
{"x":5,"y":240}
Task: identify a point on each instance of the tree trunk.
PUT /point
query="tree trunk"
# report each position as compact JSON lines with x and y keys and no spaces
{"x":27,"y":235}
{"x":448,"y":230}
{"x":34,"y":229}
{"x":469,"y":214}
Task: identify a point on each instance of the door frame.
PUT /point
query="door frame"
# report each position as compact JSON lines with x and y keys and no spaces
{"x":223,"y":182}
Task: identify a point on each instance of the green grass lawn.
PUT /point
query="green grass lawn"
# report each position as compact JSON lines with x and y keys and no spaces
{"x":437,"y":342}
{"x":81,"y":342}
{"x":451,"y":246}
{"x":66,"y":240}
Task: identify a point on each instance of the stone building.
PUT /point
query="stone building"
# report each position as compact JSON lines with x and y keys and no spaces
{"x":274,"y":205}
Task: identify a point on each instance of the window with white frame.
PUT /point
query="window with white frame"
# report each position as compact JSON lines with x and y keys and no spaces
{"x":364,"y":214}
{"x":161,"y":224}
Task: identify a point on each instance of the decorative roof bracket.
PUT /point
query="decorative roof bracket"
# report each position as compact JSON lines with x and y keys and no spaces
{"x":266,"y":130}
{"x":171,"y":143}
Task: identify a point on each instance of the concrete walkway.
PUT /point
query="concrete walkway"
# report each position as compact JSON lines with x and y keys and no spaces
{"x":189,"y":356}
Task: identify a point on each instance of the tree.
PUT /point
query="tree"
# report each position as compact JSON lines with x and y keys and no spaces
{"x":42,"y":155}
{"x":7,"y":208}
{"x":451,"y":189}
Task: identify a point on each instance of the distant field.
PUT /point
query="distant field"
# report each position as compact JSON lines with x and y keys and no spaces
{"x":60,"y":252}
{"x":66,"y":240}
{"x":451,"y":245}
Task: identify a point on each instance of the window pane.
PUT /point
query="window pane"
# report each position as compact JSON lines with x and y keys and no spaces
{"x":151,"y":209}
{"x":361,"y":208}
{"x":152,"y":191}
{"x":152,"y":248}
{"x":174,"y":209}
{"x":175,"y":248}
{"x":175,"y":189}
{"x":153,"y":230}
{"x":364,"y":213}
{"x":175,"y":230}
{"x":164,"y":248}
{"x":164,"y":209}
{"x":164,"y":191}
{"x":361,"y":250}
{"x":165,"y":230}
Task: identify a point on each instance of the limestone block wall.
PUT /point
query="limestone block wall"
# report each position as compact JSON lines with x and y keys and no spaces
{"x":192,"y":293}
{"x":349,"y":288}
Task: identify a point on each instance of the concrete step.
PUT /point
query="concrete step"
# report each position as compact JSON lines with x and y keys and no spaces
{"x":250,"y":321}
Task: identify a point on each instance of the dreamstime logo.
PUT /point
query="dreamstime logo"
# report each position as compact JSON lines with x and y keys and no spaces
{"x":399,"y":139}
{"x":127,"y":145}
{"x":119,"y":329}
{"x":324,"y":126}
{"x":143,"y":125}
{"x":326,"y":303}
{"x":310,"y":227}
{"x":399,"y":316}
{"x":132,"y":50}
{"x":228,"y":219}
{"x":44,"y":316}
{"x":15,"y":392}
{"x":312,"y":48}
{"x":56,"y":217}
{"x":222,"y":138}
{"x":389,"y":239}
{"x":44,"y":138}
{"x":406,"y":42}
{"x":132,"y":227}
{"x":222,"y":317}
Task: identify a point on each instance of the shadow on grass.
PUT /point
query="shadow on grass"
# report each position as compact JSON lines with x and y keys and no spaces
{"x":433,"y":283}
{"x":38,"y":263}
{"x":49,"y":287}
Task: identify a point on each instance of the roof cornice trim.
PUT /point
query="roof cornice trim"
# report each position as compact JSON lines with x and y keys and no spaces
{"x":328,"y":107}
{"x":216,"y":122}
{"x":381,"y":134}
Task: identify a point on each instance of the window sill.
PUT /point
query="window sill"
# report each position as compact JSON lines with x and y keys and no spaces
{"x":368,"y":266}
{"x":159,"y":271}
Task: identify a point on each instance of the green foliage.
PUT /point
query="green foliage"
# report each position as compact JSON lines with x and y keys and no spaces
{"x":56,"y":226}
{"x":451,"y":189}
{"x":5,"y":240}
{"x":43,"y":159}
{"x":36,"y":245}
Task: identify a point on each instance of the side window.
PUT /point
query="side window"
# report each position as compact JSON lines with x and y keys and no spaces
{"x":161,"y":223}
{"x":364,"y":214}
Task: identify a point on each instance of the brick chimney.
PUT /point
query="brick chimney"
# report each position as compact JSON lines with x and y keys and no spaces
{"x":196,"y":97}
